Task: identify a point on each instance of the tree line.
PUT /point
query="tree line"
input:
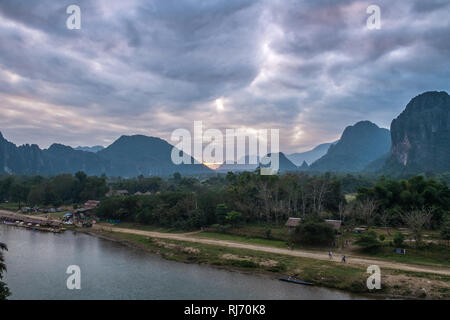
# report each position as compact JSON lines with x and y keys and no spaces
{"x":187,"y":202}
{"x":54,"y":191}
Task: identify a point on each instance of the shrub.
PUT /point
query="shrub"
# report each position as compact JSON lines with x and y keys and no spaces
{"x":234,"y":217}
{"x":221,"y":213}
{"x":278,"y":268}
{"x":382,"y":237}
{"x":314,"y":233}
{"x":244,"y":264}
{"x":368,"y":241}
{"x":399,"y":238}
{"x":445,"y":231}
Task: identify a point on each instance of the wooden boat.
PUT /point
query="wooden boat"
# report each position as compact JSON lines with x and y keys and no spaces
{"x":297,"y":281}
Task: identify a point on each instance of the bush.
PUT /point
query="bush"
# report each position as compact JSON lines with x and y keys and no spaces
{"x":382,"y":237}
{"x":369,"y":241}
{"x":278,"y":268}
{"x":399,"y":238}
{"x":314,"y":233}
{"x":445,"y":231}
{"x":244,"y":263}
{"x":221,"y":213}
{"x":234,"y":217}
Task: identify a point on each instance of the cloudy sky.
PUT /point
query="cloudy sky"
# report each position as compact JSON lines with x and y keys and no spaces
{"x":309,"y":68}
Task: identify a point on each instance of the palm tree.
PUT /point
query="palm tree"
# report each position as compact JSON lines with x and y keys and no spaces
{"x":4,"y":290}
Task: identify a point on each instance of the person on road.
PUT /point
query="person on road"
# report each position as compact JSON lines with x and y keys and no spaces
{"x":330,"y":254}
{"x":343,"y":259}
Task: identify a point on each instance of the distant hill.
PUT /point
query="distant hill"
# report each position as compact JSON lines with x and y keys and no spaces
{"x":285,"y":165}
{"x":93,"y":149}
{"x":359,"y":145}
{"x":129,"y":156}
{"x":30,"y":159}
{"x":421,"y":136}
{"x":138,"y":154}
{"x":377,"y":165}
{"x":311,"y":155}
{"x":304,"y":166}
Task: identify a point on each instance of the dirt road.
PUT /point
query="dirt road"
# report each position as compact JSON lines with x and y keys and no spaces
{"x":20,"y":216}
{"x":296,"y":253}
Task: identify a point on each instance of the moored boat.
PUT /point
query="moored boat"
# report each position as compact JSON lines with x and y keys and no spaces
{"x":297,"y":281}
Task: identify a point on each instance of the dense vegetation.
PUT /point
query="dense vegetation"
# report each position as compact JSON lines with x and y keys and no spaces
{"x":189,"y":203}
{"x":313,"y":232}
{"x":396,"y":198}
{"x":55,"y":191}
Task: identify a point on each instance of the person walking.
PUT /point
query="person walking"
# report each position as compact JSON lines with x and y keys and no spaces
{"x":343,"y":259}
{"x":330,"y":254}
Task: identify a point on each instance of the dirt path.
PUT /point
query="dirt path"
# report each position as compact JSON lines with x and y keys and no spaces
{"x":189,"y":237}
{"x":20,"y":216}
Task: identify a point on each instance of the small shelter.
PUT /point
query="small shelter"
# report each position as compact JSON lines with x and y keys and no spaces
{"x":91,"y":204}
{"x":292,"y":223}
{"x":335,"y":223}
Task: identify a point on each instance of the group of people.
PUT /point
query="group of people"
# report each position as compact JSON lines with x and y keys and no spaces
{"x":330,"y":254}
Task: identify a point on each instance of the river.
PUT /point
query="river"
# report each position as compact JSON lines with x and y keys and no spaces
{"x":37,"y":264}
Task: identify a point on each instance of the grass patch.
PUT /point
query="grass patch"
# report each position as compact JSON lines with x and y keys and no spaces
{"x":10,"y":206}
{"x":277,"y":232}
{"x":242,"y":239}
{"x":430,"y":255}
{"x":136,"y":226}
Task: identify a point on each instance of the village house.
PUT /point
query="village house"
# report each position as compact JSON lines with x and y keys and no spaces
{"x":292,"y":223}
{"x":92,"y":204}
{"x":335,"y":223}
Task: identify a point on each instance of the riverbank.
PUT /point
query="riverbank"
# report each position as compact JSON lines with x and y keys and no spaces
{"x":112,"y":271}
{"x":329,"y":274}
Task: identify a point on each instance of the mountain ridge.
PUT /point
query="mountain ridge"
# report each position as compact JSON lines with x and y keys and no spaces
{"x":138,"y":155}
{"x":311,"y":155}
{"x":359,"y":145}
{"x":421,"y":135}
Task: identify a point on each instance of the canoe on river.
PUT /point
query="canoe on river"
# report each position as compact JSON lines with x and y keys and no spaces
{"x":293,"y":280}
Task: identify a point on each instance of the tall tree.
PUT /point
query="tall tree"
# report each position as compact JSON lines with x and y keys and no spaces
{"x":417,"y":221}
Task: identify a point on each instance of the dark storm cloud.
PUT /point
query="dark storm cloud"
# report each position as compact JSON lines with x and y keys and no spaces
{"x":309,"y":68}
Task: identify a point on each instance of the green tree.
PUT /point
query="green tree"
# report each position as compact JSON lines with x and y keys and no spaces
{"x":234,"y":217}
{"x":368,"y":241}
{"x":399,"y":238}
{"x":445,"y":231}
{"x":314,"y":233}
{"x":221,"y":213}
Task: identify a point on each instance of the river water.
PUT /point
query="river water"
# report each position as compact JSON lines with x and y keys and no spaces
{"x":37,"y":264}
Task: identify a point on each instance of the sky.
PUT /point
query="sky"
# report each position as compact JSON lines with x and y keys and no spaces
{"x":307,"y":68}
